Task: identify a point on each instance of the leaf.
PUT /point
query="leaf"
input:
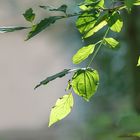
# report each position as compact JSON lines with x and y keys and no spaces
{"x":136,"y":135}
{"x":129,"y":4}
{"x":83,"y":53}
{"x":111,"y":42}
{"x":85,"y":83}
{"x":138,"y":61}
{"x":95,"y":29}
{"x":42,"y":25}
{"x":90,"y":4}
{"x":61,"y":109}
{"x":137,"y":2}
{"x":115,"y":22}
{"x":68,"y":86}
{"x":11,"y":29}
{"x":62,"y":8}
{"x":100,"y":23}
{"x":101,"y":4}
{"x":29,"y":15}
{"x":86,"y":21}
{"x":53,"y":77}
{"x":44,"y":7}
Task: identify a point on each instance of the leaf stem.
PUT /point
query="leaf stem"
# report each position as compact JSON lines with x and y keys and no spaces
{"x":97,"y":50}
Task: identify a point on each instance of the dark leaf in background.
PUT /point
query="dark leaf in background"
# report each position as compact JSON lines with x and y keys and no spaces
{"x":62,"y":8}
{"x":53,"y":77}
{"x":42,"y":25}
{"x":29,"y":15}
{"x":11,"y":29}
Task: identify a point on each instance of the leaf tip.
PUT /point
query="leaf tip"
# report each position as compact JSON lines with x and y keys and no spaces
{"x":37,"y":86}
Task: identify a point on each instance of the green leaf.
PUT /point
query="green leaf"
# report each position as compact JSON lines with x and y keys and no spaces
{"x":53,"y":77}
{"x":136,"y":135}
{"x":129,"y":4}
{"x":68,"y":86}
{"x":11,"y":29}
{"x":42,"y":25}
{"x":85,"y":83}
{"x":86,"y":21}
{"x":115,"y":22}
{"x":96,"y":29}
{"x":111,"y":42}
{"x":62,"y":8}
{"x":138,"y":61}
{"x":90,"y":4}
{"x":101,"y":3}
{"x":44,"y":7}
{"x":83,"y":53}
{"x":137,"y":2}
{"x":29,"y":15}
{"x":61,"y":109}
{"x":100,"y":23}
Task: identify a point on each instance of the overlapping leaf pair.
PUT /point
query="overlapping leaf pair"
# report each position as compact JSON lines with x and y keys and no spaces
{"x":84,"y":83}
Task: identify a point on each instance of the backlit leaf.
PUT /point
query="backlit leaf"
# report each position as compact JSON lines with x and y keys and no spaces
{"x":100,"y":23}
{"x":83,"y":53}
{"x":135,"y":135}
{"x":61,"y":109}
{"x":42,"y":25}
{"x":90,"y":4}
{"x":111,"y":42}
{"x":62,"y":8}
{"x":137,"y":2}
{"x":101,"y":3}
{"x":86,"y":21}
{"x":96,"y":29}
{"x":85,"y":83}
{"x":29,"y":15}
{"x":138,"y":61}
{"x":115,"y":22}
{"x":53,"y":77}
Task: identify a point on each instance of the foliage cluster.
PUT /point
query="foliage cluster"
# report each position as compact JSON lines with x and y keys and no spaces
{"x":92,"y":17}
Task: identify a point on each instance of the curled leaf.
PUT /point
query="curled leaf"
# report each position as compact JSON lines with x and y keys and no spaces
{"x":62,"y":8}
{"x":53,"y":77}
{"x":11,"y":29}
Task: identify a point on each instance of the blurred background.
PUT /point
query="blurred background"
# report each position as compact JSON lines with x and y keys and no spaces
{"x":24,"y":112}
